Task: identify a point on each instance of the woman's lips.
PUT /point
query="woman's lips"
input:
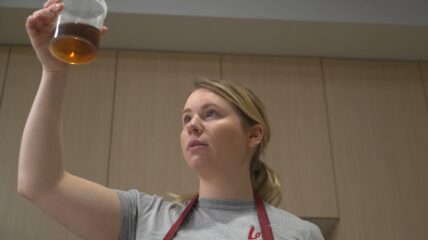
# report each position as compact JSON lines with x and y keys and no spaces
{"x":194,"y":145}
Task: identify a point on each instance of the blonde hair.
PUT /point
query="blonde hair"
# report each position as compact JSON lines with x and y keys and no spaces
{"x":264,"y":180}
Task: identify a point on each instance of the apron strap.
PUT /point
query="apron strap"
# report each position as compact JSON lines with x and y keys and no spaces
{"x":261,"y":213}
{"x":263,"y":218}
{"x":174,"y":229}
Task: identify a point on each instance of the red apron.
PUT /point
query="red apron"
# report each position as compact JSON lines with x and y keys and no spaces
{"x":261,"y":213}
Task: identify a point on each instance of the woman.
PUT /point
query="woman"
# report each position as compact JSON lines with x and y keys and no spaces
{"x":224,"y":132}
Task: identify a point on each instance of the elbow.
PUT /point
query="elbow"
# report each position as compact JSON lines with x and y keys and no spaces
{"x":34,"y":189}
{"x":24,"y":191}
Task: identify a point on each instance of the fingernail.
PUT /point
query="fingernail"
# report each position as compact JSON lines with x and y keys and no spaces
{"x":57,"y":7}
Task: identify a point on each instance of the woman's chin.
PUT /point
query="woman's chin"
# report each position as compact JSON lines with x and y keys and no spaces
{"x":197,"y":163}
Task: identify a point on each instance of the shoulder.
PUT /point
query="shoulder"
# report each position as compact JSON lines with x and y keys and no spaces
{"x":145,"y":215}
{"x":143,"y":202}
{"x":287,"y":224}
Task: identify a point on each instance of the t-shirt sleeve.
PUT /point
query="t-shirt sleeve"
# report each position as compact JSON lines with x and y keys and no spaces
{"x":128,"y":203}
{"x":131,"y":203}
{"x":315,"y":233}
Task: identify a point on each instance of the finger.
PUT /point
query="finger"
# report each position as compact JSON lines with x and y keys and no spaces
{"x":39,"y":19}
{"x":43,"y":27}
{"x":56,"y":8}
{"x":50,"y":2}
{"x":36,"y":29}
{"x":42,"y":18}
{"x":47,"y":15}
{"x":30,"y":25}
{"x":54,"y":11}
{"x":104,"y":30}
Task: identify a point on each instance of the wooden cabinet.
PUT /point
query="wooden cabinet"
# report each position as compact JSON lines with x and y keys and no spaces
{"x":347,"y":135}
{"x":379,"y":131}
{"x":151,"y":89}
{"x":4,"y":54}
{"x":87,"y":123}
{"x":293,"y":94}
{"x":424,"y":72}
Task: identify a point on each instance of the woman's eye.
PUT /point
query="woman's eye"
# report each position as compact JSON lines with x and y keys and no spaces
{"x":210,"y":113}
{"x":186,"y":119}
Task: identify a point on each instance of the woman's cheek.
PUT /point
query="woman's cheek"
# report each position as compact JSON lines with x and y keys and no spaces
{"x":231,"y":140}
{"x":183,"y":143}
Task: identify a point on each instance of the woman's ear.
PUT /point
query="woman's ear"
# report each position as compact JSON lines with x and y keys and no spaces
{"x":255,"y":135}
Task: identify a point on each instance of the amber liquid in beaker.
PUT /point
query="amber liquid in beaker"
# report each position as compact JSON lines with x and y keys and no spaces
{"x":75,"y":43}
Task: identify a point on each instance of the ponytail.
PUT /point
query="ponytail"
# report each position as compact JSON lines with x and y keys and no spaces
{"x":265,"y":181}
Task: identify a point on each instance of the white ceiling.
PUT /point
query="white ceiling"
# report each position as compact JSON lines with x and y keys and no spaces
{"x":406,"y":12}
{"x":329,"y":28}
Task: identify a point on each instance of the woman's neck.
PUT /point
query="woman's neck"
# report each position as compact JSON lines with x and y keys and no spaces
{"x":234,"y":187}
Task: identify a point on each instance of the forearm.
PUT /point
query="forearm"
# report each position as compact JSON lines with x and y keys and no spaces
{"x":41,"y":154}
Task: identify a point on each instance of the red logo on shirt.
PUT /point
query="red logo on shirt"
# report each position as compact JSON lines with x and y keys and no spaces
{"x":252,"y":236}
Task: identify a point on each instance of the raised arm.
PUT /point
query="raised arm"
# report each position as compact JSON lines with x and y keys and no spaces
{"x":90,"y":210}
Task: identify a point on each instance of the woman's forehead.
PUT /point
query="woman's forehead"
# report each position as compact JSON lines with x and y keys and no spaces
{"x":203,"y":96}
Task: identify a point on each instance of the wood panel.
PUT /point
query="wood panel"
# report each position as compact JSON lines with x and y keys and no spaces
{"x":87,"y":124}
{"x":4,"y":54}
{"x":292,"y":91}
{"x":379,"y":128}
{"x":424,"y":72}
{"x":150,"y":94}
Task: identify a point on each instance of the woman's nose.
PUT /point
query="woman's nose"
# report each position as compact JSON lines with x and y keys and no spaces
{"x":194,"y":126}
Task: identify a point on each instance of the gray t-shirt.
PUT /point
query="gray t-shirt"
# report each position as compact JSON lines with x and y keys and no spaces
{"x":149,"y":217}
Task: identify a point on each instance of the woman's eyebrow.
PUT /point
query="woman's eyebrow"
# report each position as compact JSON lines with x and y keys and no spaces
{"x":206,"y":105}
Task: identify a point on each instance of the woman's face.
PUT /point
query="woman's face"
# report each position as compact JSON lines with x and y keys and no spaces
{"x":213,"y":139}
